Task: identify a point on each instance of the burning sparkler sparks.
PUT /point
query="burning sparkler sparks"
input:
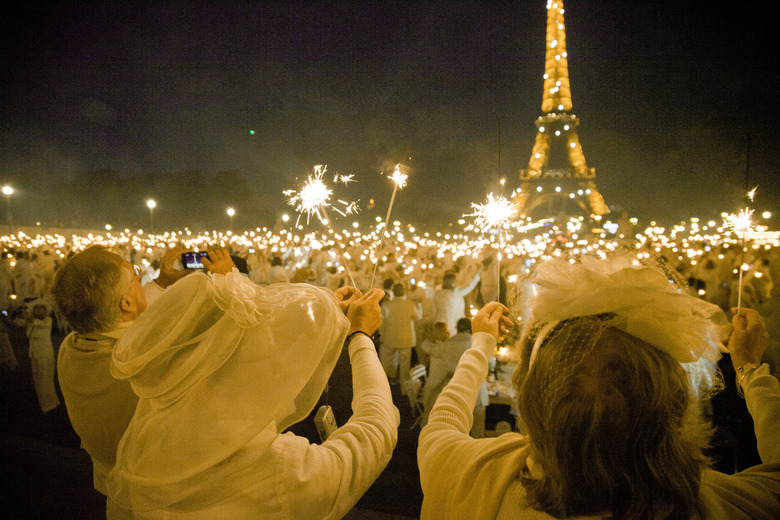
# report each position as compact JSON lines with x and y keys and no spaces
{"x":494,"y":214}
{"x":314,"y":196}
{"x":346,"y":179}
{"x":399,"y":182}
{"x":741,"y":223}
{"x":313,"y":199}
{"x":399,"y":177}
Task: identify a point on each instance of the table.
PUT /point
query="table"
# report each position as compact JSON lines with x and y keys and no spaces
{"x":501,"y":391}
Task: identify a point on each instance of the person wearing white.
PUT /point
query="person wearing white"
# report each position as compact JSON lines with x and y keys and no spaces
{"x":398,"y":335}
{"x":99,"y":294}
{"x":222,"y":367}
{"x":555,"y":471}
{"x":277,"y":273}
{"x":444,"y":360}
{"x":449,"y":303}
{"x":42,"y":356}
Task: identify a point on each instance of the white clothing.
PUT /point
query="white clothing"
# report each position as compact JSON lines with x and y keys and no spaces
{"x":27,"y":279}
{"x":444,"y":360}
{"x":398,"y":336}
{"x":464,"y":478}
{"x":99,"y":406}
{"x":239,"y":365}
{"x":449,"y":304}
{"x":42,"y":360}
{"x":277,"y":274}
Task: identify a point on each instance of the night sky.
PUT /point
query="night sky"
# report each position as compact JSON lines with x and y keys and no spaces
{"x":677,"y":101}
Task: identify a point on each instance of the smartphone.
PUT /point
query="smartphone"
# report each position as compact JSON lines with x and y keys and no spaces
{"x":325,"y":422}
{"x":192,"y":260}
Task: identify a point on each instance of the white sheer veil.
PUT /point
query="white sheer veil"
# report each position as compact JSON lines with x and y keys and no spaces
{"x":635,"y":291}
{"x":215,"y":361}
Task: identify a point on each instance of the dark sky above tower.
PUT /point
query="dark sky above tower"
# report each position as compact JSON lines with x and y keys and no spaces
{"x":670,"y":96}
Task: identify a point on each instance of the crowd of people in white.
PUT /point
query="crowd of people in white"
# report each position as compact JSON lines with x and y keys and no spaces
{"x":181,"y":384}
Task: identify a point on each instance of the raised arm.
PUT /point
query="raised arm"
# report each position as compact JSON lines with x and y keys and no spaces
{"x":356,"y":453}
{"x":762,"y":391}
{"x":451,"y":417}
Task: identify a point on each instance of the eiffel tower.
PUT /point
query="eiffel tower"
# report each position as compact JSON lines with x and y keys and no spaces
{"x":558,"y":182}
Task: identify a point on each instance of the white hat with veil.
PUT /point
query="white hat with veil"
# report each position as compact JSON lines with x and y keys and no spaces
{"x":215,"y":361}
{"x":634,"y":291}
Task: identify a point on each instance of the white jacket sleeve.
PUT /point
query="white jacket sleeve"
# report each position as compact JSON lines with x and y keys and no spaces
{"x":451,"y":417}
{"x":762,"y":395}
{"x":334,"y":475}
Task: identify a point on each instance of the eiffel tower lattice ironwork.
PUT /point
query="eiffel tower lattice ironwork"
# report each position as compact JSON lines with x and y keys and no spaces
{"x":558,"y":181}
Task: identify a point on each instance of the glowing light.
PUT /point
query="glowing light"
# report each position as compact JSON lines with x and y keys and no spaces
{"x":399,"y":177}
{"x":314,"y":195}
{"x":740,"y":222}
{"x":495,"y":213}
{"x":345,"y":179}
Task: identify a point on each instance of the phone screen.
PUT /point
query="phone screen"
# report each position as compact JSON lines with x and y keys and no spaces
{"x":192,"y":260}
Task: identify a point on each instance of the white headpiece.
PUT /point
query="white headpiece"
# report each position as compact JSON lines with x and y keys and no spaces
{"x":215,"y":361}
{"x":644,"y":296}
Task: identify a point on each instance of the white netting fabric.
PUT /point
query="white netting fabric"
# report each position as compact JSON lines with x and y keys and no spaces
{"x":631,"y":290}
{"x":215,"y":361}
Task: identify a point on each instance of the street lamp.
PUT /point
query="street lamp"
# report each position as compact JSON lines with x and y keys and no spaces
{"x":231,"y":212}
{"x":8,"y":191}
{"x":151,"y":204}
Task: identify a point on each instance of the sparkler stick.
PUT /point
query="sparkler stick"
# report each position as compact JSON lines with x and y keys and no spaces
{"x":741,"y":223}
{"x":312,"y":199}
{"x":493,"y":214}
{"x":399,"y":181}
{"x":341,"y":252}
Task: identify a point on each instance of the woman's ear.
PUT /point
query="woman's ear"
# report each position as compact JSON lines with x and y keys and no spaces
{"x":534,"y":465}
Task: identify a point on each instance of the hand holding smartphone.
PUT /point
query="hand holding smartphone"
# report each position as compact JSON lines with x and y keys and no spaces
{"x":191,"y":260}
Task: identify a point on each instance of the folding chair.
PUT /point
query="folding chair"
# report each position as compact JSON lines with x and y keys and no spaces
{"x":417,"y":377}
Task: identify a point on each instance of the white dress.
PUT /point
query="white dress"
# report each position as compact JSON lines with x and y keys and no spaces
{"x":42,"y":360}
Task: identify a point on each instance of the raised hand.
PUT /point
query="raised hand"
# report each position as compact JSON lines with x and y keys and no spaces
{"x":364,"y":313}
{"x":218,"y":261}
{"x":492,"y":319}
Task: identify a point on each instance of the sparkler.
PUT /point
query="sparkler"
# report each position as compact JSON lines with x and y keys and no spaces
{"x":313,"y":199}
{"x":741,"y":223}
{"x":399,"y":182}
{"x":494,"y":214}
